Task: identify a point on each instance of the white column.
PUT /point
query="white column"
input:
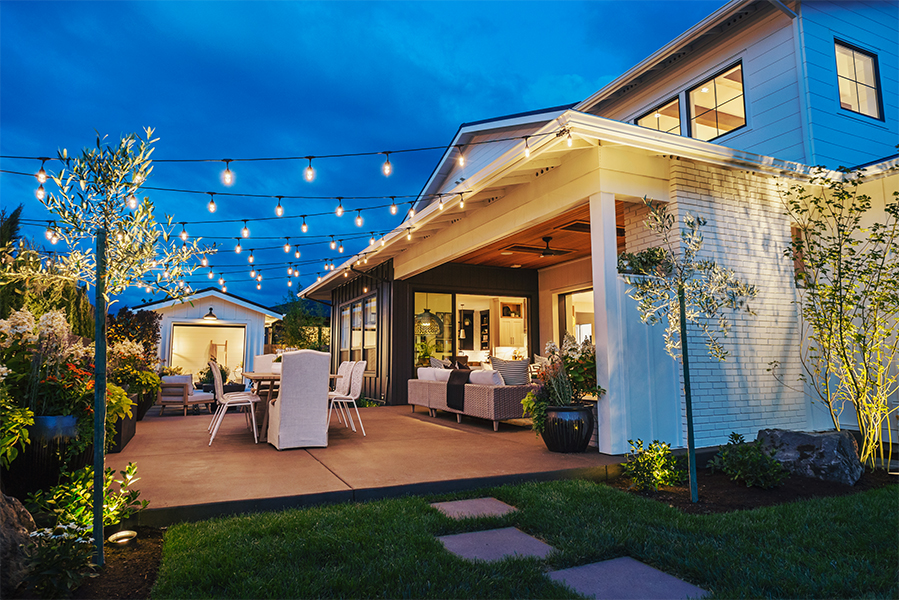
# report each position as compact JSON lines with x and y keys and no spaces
{"x":612,"y":426}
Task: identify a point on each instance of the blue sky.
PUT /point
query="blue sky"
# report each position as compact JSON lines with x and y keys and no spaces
{"x":251,"y":79}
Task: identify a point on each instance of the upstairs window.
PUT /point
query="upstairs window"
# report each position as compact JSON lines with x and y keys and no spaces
{"x":857,"y":80}
{"x":665,"y":118}
{"x":717,"y":105}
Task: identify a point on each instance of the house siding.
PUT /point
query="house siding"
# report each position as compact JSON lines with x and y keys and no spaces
{"x":747,"y":231}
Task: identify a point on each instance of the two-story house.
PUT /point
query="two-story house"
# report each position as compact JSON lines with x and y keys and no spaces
{"x":515,"y":236}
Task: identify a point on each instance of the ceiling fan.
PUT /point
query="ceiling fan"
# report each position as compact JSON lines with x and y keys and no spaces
{"x":548,"y":251}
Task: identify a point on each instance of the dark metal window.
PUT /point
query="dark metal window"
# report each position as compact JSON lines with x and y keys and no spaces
{"x":857,"y":72}
{"x":717,"y":105}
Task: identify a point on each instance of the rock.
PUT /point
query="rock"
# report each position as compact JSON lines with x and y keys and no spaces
{"x":827,"y":455}
{"x":16,"y":525}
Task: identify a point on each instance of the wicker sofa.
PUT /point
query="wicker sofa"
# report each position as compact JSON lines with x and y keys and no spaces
{"x":493,"y":402}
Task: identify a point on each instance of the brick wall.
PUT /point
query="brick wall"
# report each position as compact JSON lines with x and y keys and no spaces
{"x":746,"y":231}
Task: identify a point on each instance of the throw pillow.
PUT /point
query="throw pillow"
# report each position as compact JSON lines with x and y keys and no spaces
{"x":485,"y":377}
{"x":514,"y":372}
{"x":437,"y":363}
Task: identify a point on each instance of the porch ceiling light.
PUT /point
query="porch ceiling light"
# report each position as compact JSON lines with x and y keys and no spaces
{"x":210,"y":316}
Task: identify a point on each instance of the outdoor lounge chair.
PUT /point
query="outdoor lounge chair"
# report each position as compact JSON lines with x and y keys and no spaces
{"x":298,"y":417}
{"x":178,"y":390}
{"x":226,"y":401}
{"x":345,"y":400}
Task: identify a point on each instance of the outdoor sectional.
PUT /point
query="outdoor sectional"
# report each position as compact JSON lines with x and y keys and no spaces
{"x":494,"y":401}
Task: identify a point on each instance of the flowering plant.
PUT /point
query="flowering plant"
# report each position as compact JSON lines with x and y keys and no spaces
{"x":58,"y":559}
{"x":580,"y":362}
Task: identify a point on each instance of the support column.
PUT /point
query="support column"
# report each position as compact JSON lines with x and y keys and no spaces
{"x":612,"y":418}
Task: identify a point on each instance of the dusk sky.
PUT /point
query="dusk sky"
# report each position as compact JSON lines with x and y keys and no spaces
{"x":274,"y":79}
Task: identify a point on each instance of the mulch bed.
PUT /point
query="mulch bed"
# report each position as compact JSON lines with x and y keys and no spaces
{"x":131,"y":572}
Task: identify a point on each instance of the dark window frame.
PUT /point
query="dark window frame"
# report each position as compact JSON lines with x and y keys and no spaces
{"x":708,"y":80}
{"x":876,"y":72}
{"x":349,"y":353}
{"x":675,"y":98}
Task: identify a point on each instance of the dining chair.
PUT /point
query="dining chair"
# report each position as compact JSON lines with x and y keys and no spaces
{"x":226,"y":401}
{"x":356,"y":379}
{"x":341,"y":386}
{"x":297,"y":417}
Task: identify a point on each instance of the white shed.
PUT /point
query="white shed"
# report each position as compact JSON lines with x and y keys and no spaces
{"x":211,"y":324}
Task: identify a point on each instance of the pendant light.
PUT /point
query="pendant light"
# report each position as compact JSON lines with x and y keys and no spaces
{"x":428,"y":323}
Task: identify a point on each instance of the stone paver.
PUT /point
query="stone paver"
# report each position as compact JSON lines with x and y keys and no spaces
{"x":475,"y":507}
{"x":495,"y":544}
{"x":625,"y":578}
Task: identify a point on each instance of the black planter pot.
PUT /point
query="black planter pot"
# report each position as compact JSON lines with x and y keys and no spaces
{"x":568,"y":428}
{"x":125,"y":429}
{"x":145,"y":401}
{"x":38,"y":465}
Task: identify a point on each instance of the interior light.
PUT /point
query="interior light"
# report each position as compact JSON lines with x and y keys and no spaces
{"x":359,"y":219}
{"x":212,"y":202}
{"x":386,"y":167}
{"x":287,"y":245}
{"x":245,"y":232}
{"x":227,"y":175}
{"x":340,"y":207}
{"x":527,"y":149}
{"x":365,"y":290}
{"x":304,"y":228}
{"x":393,"y":206}
{"x":279,"y":210}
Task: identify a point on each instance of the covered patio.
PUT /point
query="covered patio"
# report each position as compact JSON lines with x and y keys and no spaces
{"x":403,"y":453}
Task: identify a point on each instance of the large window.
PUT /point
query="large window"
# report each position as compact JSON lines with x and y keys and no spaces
{"x":665,"y":118}
{"x":359,"y":328}
{"x":717,"y":105}
{"x":857,"y":80}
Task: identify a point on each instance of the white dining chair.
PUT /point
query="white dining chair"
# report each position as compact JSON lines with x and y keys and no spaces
{"x":226,"y":401}
{"x":345,"y":400}
{"x":341,"y":387}
{"x":298,"y":418}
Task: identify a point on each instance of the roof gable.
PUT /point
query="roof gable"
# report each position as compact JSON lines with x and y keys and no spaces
{"x":212,"y":292}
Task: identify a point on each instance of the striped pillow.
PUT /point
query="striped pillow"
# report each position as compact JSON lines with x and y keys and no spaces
{"x":439,"y":364}
{"x":514,"y":372}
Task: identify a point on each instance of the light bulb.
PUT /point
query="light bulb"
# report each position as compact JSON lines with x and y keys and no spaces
{"x":165,"y":274}
{"x":296,"y":273}
{"x":441,"y":203}
{"x":212,"y":202}
{"x":290,"y":269}
{"x":287,"y":245}
{"x":304,"y":228}
{"x":237,"y":249}
{"x":147,"y":289}
{"x":382,"y":240}
{"x":183,"y":235}
{"x":412,"y":210}
{"x":40,"y":194}
{"x":250,"y":258}
{"x":245,"y":232}
{"x":54,"y":238}
{"x":365,"y":290}
{"x":290,"y":282}
{"x":366,"y":258}
{"x":372,"y":239}
{"x":297,"y":252}
{"x":705,"y":90}
{"x":49,"y":233}
{"x":279,"y":210}
{"x":204,"y":262}
{"x":393,"y":206}
{"x":210,"y":275}
{"x":527,"y":149}
{"x":345,"y":273}
{"x":408,"y":234}
{"x":42,"y":174}
{"x":224,"y":289}
{"x":462,"y":159}
{"x":132,"y":202}
{"x":333,"y":243}
{"x":569,"y":139}
{"x":462,"y":201}
{"x":252,"y":273}
{"x":259,"y":286}
{"x":318,"y":277}
{"x":359,"y":219}
{"x":341,"y":247}
{"x":340,"y":208}
{"x":259,"y":277}
{"x":119,"y":236}
{"x":227,"y":175}
{"x":386,"y":167}
{"x":309,"y":173}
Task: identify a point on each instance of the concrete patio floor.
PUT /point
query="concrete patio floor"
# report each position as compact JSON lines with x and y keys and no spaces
{"x":404,"y":453}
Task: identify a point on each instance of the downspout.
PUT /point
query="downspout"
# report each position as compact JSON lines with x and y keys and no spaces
{"x":806,"y":126}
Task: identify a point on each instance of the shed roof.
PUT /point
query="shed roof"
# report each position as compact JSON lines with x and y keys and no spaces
{"x":212,"y":292}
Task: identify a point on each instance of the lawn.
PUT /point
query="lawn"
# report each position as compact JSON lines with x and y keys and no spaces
{"x":824,"y":548}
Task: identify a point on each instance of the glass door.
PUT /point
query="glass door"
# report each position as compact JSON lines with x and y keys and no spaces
{"x":433,"y":328}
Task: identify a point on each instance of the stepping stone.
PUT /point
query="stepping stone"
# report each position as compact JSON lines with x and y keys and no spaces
{"x":476,"y":507}
{"x":495,"y":544}
{"x":625,"y":578}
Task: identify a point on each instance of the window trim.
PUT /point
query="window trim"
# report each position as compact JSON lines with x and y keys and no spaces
{"x":689,"y":107}
{"x":876,"y":73}
{"x":676,"y":97}
{"x":361,"y":300}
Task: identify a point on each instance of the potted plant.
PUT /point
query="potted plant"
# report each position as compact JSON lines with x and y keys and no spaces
{"x":130,"y":369}
{"x":555,"y":403}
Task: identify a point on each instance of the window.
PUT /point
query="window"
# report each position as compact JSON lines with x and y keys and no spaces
{"x":857,"y":80}
{"x":717,"y":105}
{"x":370,"y":337}
{"x":359,"y":322}
{"x":665,"y":118}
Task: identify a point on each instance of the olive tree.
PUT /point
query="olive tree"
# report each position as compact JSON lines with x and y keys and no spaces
{"x":671,"y":283}
{"x":845,"y":258}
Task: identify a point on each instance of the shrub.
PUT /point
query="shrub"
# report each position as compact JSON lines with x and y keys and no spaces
{"x":653,"y":467}
{"x":58,"y":559}
{"x":748,"y":462}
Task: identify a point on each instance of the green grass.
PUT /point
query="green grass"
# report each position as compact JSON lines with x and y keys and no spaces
{"x":825,"y":548}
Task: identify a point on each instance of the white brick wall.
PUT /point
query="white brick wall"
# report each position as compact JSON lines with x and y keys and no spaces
{"x":746,"y":231}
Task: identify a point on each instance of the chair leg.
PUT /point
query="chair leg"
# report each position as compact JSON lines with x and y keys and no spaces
{"x":215,"y":416}
{"x":216,"y":428}
{"x":253,"y":418}
{"x":358,"y":418}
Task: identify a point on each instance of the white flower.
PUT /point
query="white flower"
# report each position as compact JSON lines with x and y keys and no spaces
{"x":127,"y":349}
{"x":3,"y":372}
{"x":18,"y":327}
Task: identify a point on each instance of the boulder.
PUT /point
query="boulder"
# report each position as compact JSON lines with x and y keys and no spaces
{"x":14,"y":529}
{"x":828,"y":455}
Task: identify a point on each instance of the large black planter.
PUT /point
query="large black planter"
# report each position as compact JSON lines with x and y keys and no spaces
{"x":145,"y":402}
{"x":125,"y":429}
{"x":568,"y":428}
{"x":38,"y":465}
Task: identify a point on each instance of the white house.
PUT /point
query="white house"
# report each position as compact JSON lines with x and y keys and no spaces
{"x":519,"y":226}
{"x":211,"y":324}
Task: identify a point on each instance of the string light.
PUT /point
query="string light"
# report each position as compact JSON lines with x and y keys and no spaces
{"x":345,"y":272}
{"x":393,"y":205}
{"x":365,"y":290}
{"x":304,"y":227}
{"x":147,"y":289}
{"x":212,"y":202}
{"x":462,"y":159}
{"x":333,"y":243}
{"x":224,"y":289}
{"x":204,"y":262}
{"x":569,"y":139}
{"x":297,"y":251}
{"x":237,"y":249}
{"x":252,"y":273}
{"x":290,"y":269}
{"x":527,"y":149}
{"x":245,"y":232}
{"x":318,"y":277}
{"x":341,"y":247}
{"x":309,"y":173}
{"x":340,"y":207}
{"x":250,"y":258}
{"x":408,"y":234}
{"x":412,"y":210}
{"x":359,"y":219}
{"x":166,"y":274}
{"x":386,"y":167}
{"x":441,"y":201}
{"x":132,"y":202}
{"x":42,"y":174}
{"x":382,"y":240}
{"x":210,"y":275}
{"x":259,"y":277}
{"x":279,"y":210}
{"x":287,"y":245}
{"x":40,"y":194}
{"x":462,"y":201}
{"x":290,"y":282}
{"x":296,"y":273}
{"x":227,"y":175}
{"x":372,"y":239}
{"x":183,"y":235}
{"x":49,"y":233}
{"x":259,"y":286}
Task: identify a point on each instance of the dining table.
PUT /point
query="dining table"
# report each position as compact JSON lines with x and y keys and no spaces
{"x":262,"y":408}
